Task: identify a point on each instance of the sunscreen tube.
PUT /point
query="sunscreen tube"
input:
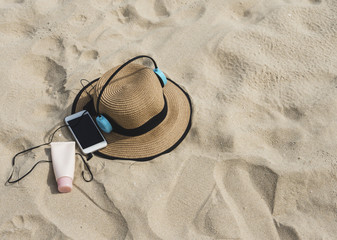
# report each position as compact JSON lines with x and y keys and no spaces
{"x":63,"y":158}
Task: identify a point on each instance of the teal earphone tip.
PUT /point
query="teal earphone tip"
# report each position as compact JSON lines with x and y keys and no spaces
{"x":161,"y":75}
{"x":103,"y":124}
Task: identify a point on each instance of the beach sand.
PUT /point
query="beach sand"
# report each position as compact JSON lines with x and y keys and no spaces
{"x":260,"y":161}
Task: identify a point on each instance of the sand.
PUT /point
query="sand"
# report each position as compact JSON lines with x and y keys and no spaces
{"x":260,"y":161}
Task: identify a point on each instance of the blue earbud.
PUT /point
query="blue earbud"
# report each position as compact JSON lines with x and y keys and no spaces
{"x":161,"y":75}
{"x":103,"y":124}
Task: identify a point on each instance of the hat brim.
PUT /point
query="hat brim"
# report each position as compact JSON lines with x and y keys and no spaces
{"x":160,"y":140}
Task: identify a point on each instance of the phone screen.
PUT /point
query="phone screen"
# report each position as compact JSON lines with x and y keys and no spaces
{"x":85,"y":131}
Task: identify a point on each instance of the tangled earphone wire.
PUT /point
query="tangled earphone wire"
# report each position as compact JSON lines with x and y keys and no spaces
{"x":86,"y":166}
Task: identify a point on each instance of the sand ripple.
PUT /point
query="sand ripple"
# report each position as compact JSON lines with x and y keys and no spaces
{"x":260,"y":159}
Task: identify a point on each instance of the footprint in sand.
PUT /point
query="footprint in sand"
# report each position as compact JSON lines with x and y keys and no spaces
{"x":177,"y":211}
{"x":51,"y":46}
{"x":315,"y":1}
{"x":143,"y":13}
{"x":30,"y":227}
{"x":47,"y":70}
{"x":303,"y":194}
{"x":89,"y":55}
{"x":46,"y":79}
{"x":88,"y":203}
{"x":249,"y":191}
{"x":16,"y":30}
{"x":14,"y":1}
{"x":231,"y":199}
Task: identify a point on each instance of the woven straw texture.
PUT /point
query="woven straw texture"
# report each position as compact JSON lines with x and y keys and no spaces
{"x":134,"y":97}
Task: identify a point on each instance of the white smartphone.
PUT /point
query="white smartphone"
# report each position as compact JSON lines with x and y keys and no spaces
{"x":85,"y":132}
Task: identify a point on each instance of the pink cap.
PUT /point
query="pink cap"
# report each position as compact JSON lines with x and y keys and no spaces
{"x":64,"y":184}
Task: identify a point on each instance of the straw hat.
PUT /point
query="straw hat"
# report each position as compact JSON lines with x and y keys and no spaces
{"x":135,"y":100}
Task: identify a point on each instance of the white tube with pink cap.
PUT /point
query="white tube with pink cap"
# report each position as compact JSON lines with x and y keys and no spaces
{"x":63,"y":158}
